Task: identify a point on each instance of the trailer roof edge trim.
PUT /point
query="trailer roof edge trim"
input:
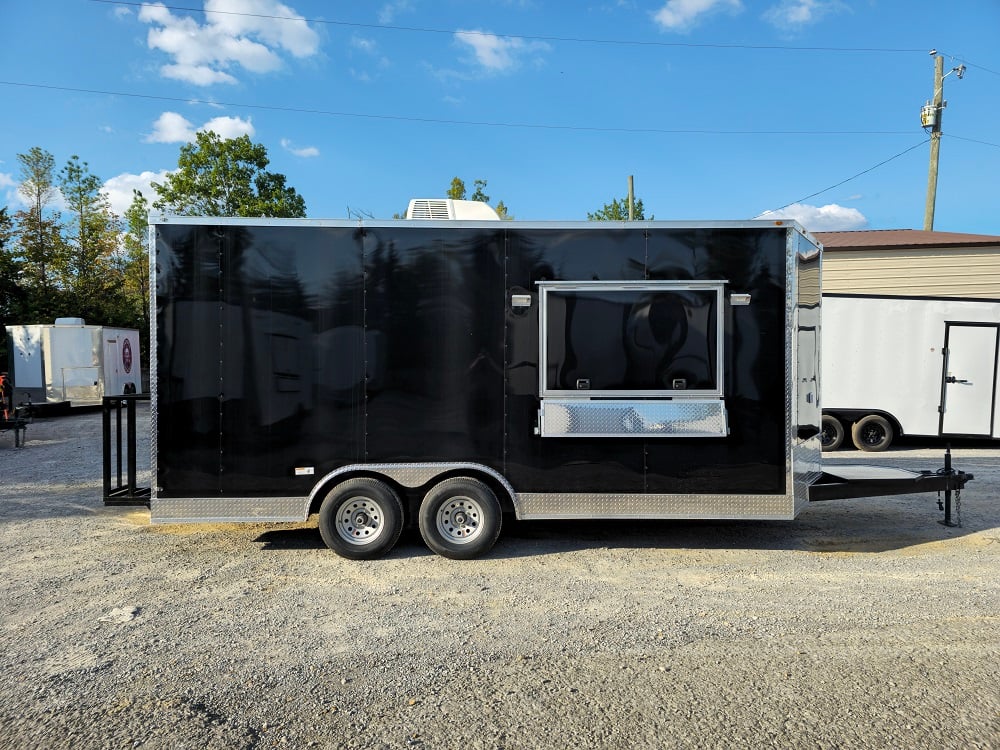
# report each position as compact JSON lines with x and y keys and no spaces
{"x":159,"y":219}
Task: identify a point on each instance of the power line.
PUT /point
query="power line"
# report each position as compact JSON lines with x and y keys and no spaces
{"x":441,"y":121}
{"x":854,"y":177}
{"x":971,"y":140}
{"x":525,"y":37}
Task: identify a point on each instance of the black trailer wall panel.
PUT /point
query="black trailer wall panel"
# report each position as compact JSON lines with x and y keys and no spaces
{"x":282,"y":346}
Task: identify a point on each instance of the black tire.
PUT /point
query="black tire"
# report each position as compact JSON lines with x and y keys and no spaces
{"x":460,"y":518}
{"x":361,"y":519}
{"x":831,"y":436}
{"x":872,"y":433}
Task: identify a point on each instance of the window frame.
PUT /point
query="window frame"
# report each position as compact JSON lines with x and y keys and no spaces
{"x":638,"y":286}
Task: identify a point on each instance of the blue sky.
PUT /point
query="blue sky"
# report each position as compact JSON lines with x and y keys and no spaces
{"x":720,"y":109}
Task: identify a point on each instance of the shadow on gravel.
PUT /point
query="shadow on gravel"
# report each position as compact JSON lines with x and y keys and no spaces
{"x":285,"y":539}
{"x":830,"y":530}
{"x":409,"y":545}
{"x":523,"y":538}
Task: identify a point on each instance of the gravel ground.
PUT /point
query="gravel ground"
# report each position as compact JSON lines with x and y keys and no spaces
{"x":863,"y":623}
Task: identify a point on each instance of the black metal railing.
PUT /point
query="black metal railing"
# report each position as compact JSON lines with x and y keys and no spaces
{"x":118,"y":451}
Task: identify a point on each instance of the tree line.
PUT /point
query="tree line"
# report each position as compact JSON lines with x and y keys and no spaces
{"x":67,"y":254}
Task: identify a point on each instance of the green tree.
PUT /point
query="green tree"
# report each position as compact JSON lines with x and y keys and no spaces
{"x":479,"y":194}
{"x":457,"y":192}
{"x":132,"y":263}
{"x":38,"y":232}
{"x":226,"y":177}
{"x":92,"y":236}
{"x":618,"y":211}
{"x":135,"y":257}
{"x":12,"y":297}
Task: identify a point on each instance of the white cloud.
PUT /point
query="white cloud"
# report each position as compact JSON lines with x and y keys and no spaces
{"x":248,"y":34}
{"x":120,"y":11}
{"x":828,"y":218}
{"x":119,"y":189}
{"x":229,"y":127}
{"x":199,"y":75}
{"x":798,"y":13}
{"x":390,"y":10}
{"x":305,"y":152}
{"x":680,"y":15}
{"x":363,"y":44}
{"x":171,"y":127}
{"x":367,"y":52}
{"x":497,"y":54}
{"x":9,"y":188}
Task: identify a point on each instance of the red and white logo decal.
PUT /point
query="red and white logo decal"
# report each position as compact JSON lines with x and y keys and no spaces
{"x":127,"y":356}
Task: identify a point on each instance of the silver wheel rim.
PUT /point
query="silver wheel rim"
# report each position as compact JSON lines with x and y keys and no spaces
{"x":460,"y":520}
{"x":360,"y":521}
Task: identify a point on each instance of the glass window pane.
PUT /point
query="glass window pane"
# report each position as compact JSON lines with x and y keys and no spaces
{"x":631,"y":340}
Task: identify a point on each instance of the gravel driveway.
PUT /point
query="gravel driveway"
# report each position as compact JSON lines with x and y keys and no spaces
{"x":863,"y":623}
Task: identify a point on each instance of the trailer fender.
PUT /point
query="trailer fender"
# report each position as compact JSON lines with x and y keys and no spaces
{"x":411,"y":476}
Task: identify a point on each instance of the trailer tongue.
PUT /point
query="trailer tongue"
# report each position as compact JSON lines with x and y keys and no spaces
{"x":846,"y":481}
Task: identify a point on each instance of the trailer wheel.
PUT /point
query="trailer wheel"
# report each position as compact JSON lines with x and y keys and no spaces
{"x":460,"y":518}
{"x":831,"y":436}
{"x":872,"y":433}
{"x":361,"y":518}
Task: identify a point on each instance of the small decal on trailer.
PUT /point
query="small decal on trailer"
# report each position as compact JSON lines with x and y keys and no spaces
{"x":127,"y":356}
{"x":304,"y":471}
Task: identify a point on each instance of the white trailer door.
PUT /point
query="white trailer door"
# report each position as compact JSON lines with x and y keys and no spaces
{"x":970,"y":379}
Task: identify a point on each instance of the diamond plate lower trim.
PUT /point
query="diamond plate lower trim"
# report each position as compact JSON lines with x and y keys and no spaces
{"x":228,"y":509}
{"x":572,"y":417}
{"x":537,"y":506}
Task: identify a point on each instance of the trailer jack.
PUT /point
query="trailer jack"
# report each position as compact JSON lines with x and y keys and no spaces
{"x":948,"y":471}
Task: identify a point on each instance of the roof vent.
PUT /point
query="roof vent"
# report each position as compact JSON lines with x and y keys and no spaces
{"x":69,"y":321}
{"x":444,"y":209}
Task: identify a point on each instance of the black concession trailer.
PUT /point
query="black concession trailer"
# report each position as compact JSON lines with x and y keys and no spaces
{"x":442,"y":373}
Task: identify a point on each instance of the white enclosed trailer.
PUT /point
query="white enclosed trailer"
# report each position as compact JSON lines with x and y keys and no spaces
{"x":72,"y":362}
{"x":908,"y":366}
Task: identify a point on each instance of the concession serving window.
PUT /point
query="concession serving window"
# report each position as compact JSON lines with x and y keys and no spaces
{"x":631,"y":358}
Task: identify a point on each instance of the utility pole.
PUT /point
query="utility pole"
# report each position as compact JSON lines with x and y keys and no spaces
{"x":631,"y":200}
{"x":935,"y":115}
{"x":930,"y":117}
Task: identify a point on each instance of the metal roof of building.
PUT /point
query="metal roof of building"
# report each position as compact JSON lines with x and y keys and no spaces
{"x":869,"y":239}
